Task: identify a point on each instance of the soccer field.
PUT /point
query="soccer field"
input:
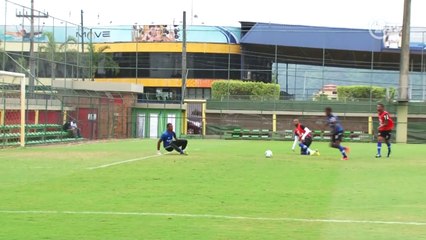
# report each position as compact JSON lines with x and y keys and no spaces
{"x":221,"y":190}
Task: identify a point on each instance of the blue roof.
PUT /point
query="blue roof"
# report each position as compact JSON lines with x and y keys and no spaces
{"x":313,"y":37}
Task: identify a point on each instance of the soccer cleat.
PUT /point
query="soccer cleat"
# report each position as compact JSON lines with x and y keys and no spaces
{"x":378,"y":156}
{"x":315,"y":153}
{"x":345,"y":158}
{"x":347,"y":150}
{"x":183,"y":153}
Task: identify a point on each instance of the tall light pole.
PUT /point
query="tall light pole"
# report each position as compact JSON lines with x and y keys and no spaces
{"x":32,"y":61}
{"x":82,"y":46}
{"x":403,"y":98}
{"x":184,"y":58}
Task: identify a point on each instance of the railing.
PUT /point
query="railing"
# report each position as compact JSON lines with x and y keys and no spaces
{"x":359,"y":106}
{"x":159,"y":98}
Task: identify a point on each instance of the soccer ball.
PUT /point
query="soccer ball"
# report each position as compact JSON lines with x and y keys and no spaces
{"x":268,"y":153}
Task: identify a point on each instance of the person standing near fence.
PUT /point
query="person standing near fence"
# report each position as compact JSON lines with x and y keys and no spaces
{"x":336,"y":133}
{"x":170,"y":142}
{"x":385,"y":129}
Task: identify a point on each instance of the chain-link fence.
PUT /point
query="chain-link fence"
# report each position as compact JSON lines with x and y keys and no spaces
{"x":54,"y":50}
{"x":47,"y":113}
{"x":358,"y":116}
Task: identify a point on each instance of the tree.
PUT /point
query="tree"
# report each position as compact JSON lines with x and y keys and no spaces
{"x":22,"y":65}
{"x":99,"y":59}
{"x":3,"y":57}
{"x":52,"y":51}
{"x":8,"y":63}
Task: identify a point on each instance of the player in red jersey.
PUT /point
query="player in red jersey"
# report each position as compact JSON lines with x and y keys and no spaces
{"x":303,"y":136}
{"x":385,"y":128}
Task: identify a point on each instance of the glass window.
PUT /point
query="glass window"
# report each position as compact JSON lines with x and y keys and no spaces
{"x":169,"y":65}
{"x":199,"y":93}
{"x":165,"y":65}
{"x":191,"y":93}
{"x":207,"y":93}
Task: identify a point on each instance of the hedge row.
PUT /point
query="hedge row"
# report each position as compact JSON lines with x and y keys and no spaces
{"x":364,"y":92}
{"x":255,"y":90}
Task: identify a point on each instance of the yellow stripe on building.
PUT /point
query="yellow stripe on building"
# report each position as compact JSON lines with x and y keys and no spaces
{"x":162,"y":82}
{"x":221,"y":48}
{"x":146,"y":82}
{"x":171,"y":47}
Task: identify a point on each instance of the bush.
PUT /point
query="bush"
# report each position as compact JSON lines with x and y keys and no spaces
{"x":352,"y":93}
{"x":254,"y":90}
{"x":321,"y":97}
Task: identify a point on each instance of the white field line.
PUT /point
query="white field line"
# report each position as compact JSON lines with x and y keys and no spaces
{"x":125,"y":161}
{"x":212,"y":216}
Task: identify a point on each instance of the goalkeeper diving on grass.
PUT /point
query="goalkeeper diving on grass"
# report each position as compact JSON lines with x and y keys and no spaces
{"x":170,"y":142}
{"x":303,"y":137}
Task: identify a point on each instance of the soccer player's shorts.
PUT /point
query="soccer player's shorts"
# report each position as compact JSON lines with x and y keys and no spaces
{"x":385,"y":134}
{"x":336,"y":136}
{"x":307,"y":141}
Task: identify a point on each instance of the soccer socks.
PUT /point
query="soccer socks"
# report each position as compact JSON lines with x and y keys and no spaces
{"x":389,"y":149}
{"x":342,"y":150}
{"x":379,"y":148}
{"x":305,"y":149}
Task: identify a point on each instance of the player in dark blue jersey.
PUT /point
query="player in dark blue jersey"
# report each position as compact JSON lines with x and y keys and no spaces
{"x":170,"y":142}
{"x":336,"y":133}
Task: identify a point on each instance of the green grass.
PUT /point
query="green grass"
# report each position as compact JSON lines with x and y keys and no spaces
{"x":218,"y":177}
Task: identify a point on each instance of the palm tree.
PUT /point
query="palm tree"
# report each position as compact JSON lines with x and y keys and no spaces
{"x":99,"y":59}
{"x":53,"y":51}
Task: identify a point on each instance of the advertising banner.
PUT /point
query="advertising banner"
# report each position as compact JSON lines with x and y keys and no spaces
{"x":135,"y":33}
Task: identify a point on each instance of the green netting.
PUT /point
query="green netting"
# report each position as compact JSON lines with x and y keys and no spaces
{"x":306,"y":106}
{"x":354,"y":115}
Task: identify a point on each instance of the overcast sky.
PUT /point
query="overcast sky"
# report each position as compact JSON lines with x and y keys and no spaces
{"x":335,"y":13}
